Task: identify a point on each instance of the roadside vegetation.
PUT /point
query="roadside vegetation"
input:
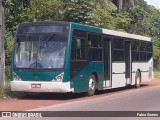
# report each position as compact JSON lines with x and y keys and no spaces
{"x":5,"y":93}
{"x":157,"y":74}
{"x":132,"y":16}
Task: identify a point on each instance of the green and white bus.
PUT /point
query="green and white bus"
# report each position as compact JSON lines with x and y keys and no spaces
{"x":70,"y":57}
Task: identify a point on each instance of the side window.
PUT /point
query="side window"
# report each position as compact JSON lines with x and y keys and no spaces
{"x":149,"y":47}
{"x":143,"y":56}
{"x":141,"y":51}
{"x":118,"y":50}
{"x":143,"y":46}
{"x":94,"y":47}
{"x":149,"y":50}
{"x":135,"y":56}
{"x":94,"y":41}
{"x":118,"y":44}
{"x":78,"y":45}
{"x":135,"y":45}
{"x":135,"y":50}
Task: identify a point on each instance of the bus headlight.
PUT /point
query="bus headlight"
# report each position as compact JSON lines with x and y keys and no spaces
{"x":59,"y":78}
{"x":16,"y":77}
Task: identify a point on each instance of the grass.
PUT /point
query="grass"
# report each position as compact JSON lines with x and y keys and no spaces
{"x":157,"y":74}
{"x":6,"y":91}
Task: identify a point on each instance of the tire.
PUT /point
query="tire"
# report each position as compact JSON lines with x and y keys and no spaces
{"x":91,"y":86}
{"x":137,"y":79}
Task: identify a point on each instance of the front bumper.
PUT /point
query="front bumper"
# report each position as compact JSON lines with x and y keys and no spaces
{"x":26,"y":86}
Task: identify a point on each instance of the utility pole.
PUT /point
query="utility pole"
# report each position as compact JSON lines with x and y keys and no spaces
{"x":2,"y":51}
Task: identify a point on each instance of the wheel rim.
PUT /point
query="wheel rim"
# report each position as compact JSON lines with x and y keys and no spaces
{"x":92,"y":84}
{"x":138,"y":80}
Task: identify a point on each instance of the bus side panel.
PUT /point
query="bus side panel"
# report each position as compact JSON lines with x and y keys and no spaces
{"x":118,"y":75}
{"x":80,"y":81}
{"x":135,"y":67}
{"x":146,"y":69}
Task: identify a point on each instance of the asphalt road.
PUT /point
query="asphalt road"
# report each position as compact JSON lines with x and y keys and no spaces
{"x":146,"y":99}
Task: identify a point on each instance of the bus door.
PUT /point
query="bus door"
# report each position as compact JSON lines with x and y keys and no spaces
{"x":128,"y":62}
{"x":107,"y":62}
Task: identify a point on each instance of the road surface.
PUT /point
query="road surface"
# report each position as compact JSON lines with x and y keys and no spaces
{"x":147,"y":99}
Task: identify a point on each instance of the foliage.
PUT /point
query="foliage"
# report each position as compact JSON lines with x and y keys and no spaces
{"x":8,"y":72}
{"x":94,"y":12}
{"x":42,"y":10}
{"x":156,"y":48}
{"x":18,"y":11}
{"x":5,"y":92}
{"x":157,"y":74}
{"x":122,"y":21}
{"x":8,"y":52}
{"x":8,"y":55}
{"x":138,"y":21}
{"x":79,"y":11}
{"x":13,"y":11}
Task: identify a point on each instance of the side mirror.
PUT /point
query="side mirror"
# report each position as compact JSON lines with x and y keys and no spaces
{"x":78,"y":43}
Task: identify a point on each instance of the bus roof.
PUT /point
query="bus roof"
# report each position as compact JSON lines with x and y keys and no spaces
{"x":93,"y":29}
{"x":117,"y":33}
{"x":125,"y":35}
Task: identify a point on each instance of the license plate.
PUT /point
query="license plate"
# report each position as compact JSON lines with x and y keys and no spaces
{"x":35,"y":85}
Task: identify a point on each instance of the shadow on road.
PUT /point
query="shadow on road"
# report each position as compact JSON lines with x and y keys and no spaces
{"x":70,"y":96}
{"x":119,"y":89}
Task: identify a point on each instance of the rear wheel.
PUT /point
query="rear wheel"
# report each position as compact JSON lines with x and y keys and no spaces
{"x":138,"y":79}
{"x":92,"y":86}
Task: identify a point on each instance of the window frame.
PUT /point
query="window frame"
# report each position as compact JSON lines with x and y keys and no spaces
{"x":135,"y":50}
{"x":85,"y":38}
{"x":140,"y":51}
{"x":92,"y":47}
{"x":149,"y":52}
{"x":118,"y":49}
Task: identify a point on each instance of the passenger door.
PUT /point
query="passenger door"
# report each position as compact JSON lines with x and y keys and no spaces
{"x":107,"y":61}
{"x":128,"y":61}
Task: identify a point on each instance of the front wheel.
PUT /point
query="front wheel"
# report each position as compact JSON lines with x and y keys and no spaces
{"x":92,"y":86}
{"x":138,"y":79}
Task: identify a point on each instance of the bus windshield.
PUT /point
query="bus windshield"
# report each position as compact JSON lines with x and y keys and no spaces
{"x":40,"y":51}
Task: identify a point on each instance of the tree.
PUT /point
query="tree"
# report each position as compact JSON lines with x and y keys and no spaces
{"x":42,"y":10}
{"x":79,"y":11}
{"x":92,"y":12}
{"x":19,"y":11}
{"x":124,"y":5}
{"x":13,"y":11}
{"x":139,"y":21}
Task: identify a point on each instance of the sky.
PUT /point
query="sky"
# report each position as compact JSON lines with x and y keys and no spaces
{"x":155,"y":3}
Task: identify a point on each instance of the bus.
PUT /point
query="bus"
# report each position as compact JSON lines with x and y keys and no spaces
{"x":64,"y":57}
